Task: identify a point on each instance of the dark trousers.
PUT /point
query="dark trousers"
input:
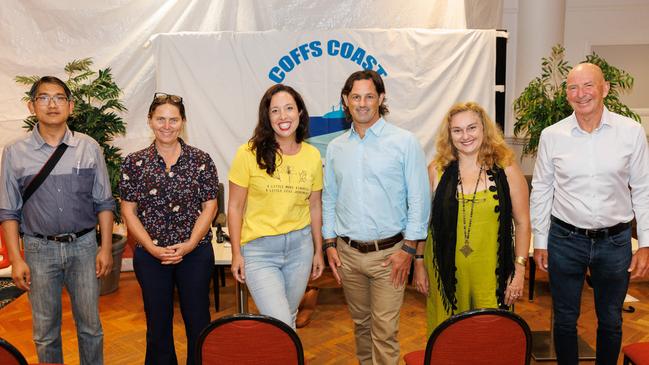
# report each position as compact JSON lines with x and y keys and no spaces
{"x":608,"y":258}
{"x":192,"y":278}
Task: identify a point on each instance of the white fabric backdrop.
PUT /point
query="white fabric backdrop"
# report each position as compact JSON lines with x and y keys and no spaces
{"x":38,"y":37}
{"x":222,"y":76}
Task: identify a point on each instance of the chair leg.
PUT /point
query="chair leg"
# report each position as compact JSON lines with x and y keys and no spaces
{"x":532,"y":279}
{"x":215,"y":283}
{"x":222,"y":273}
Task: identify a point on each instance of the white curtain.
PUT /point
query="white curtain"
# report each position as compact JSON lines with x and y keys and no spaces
{"x":38,"y":37}
{"x":222,"y":76}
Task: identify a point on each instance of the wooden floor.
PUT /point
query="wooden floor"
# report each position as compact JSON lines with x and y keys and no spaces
{"x":328,"y":339}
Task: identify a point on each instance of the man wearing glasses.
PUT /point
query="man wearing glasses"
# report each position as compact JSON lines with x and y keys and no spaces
{"x":57,"y":219}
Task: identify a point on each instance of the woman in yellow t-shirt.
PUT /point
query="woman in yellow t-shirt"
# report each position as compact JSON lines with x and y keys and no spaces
{"x":274,"y":209}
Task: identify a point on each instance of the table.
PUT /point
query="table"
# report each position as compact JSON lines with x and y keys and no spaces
{"x":222,"y":258}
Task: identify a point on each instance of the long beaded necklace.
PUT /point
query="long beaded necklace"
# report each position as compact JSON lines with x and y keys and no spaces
{"x":466,"y":249}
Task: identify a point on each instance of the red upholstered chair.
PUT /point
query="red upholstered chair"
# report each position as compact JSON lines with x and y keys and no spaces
{"x":247,"y":339}
{"x":4,"y":256}
{"x":477,"y":337}
{"x":9,"y":355}
{"x":636,"y":353}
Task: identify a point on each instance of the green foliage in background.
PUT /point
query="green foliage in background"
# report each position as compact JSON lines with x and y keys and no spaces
{"x":96,"y":111}
{"x":544,"y":102}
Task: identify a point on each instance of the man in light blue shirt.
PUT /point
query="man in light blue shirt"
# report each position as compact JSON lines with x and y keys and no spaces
{"x":376,"y":205}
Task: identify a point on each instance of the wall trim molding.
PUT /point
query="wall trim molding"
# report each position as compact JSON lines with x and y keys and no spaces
{"x":605,"y":5}
{"x":643,"y":112}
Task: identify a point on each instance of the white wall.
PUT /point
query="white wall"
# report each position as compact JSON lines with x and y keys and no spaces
{"x":606,"y":23}
{"x":588,"y":23}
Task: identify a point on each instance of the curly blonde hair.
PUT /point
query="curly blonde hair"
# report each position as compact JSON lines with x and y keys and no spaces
{"x":493,"y":151}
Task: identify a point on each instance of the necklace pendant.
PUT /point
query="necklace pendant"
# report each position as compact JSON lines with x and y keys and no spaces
{"x":466,"y":249}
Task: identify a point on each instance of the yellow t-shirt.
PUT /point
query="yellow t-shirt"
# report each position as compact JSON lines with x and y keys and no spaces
{"x":276,"y":204}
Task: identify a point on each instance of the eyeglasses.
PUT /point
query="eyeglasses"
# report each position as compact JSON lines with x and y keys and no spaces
{"x":163,"y":97}
{"x":44,"y":100}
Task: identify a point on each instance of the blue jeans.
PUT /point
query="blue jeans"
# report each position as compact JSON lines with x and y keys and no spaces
{"x":52,"y":265}
{"x":569,"y":255}
{"x":277,"y":271}
{"x":192,"y":277}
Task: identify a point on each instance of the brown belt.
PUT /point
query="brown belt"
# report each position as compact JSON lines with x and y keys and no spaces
{"x":375,"y":245}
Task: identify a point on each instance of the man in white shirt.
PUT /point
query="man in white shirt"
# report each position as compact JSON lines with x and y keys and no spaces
{"x":591,"y":176}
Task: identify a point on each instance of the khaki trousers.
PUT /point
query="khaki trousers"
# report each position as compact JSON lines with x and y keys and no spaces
{"x":373,"y":302}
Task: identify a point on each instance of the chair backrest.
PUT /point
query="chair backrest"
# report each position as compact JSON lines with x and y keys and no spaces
{"x":4,"y":255}
{"x":481,"y":336}
{"x":220,"y":218}
{"x":248,"y":339}
{"x":10,"y":355}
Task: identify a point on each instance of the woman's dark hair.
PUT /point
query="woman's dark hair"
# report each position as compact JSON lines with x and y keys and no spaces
{"x":162,"y":98}
{"x":263,"y":141}
{"x":363,"y":75}
{"x":49,"y":80}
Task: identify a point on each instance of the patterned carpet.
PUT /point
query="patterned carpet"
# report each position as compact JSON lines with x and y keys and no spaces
{"x":8,"y":292}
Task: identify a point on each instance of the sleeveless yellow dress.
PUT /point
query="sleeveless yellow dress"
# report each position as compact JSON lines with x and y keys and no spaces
{"x":476,"y":274}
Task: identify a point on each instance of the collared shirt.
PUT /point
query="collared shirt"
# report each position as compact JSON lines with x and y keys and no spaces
{"x":169,"y":203}
{"x":376,"y":186}
{"x":69,"y":199}
{"x":591,"y":180}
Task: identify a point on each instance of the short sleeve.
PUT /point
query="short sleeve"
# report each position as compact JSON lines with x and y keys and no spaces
{"x":240,"y":168}
{"x":317,"y":172}
{"x":209,"y":179}
{"x":128,"y":181}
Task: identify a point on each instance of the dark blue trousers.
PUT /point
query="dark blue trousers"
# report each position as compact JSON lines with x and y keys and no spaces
{"x":192,"y":278}
{"x":569,"y":256}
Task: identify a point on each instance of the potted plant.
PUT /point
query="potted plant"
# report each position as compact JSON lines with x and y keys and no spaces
{"x":543,"y":102}
{"x":96,"y":108}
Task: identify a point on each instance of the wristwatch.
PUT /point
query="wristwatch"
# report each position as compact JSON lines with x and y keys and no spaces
{"x":409,"y":250}
{"x":326,"y":245}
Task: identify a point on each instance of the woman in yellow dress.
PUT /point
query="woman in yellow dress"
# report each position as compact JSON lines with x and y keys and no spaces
{"x":469,"y":260}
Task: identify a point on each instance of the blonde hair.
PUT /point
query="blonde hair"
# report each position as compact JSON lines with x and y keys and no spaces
{"x":493,"y":151}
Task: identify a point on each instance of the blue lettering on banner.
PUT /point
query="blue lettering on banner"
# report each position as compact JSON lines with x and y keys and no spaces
{"x":335,"y":48}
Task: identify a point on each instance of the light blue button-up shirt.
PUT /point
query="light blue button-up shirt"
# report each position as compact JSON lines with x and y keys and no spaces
{"x":376,"y":186}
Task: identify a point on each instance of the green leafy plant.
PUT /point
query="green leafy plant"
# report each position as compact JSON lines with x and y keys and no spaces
{"x":544,"y":102}
{"x":96,"y":111}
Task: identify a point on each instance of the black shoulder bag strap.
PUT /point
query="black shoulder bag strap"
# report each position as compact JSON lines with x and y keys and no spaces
{"x":45,"y":172}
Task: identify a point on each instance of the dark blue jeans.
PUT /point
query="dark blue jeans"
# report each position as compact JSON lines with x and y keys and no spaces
{"x":569,"y":256}
{"x":192,"y":277}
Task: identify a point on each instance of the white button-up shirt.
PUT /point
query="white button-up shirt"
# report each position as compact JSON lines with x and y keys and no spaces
{"x":591,"y":180}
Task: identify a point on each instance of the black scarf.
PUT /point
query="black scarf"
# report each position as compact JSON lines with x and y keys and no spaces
{"x":444,"y":231}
